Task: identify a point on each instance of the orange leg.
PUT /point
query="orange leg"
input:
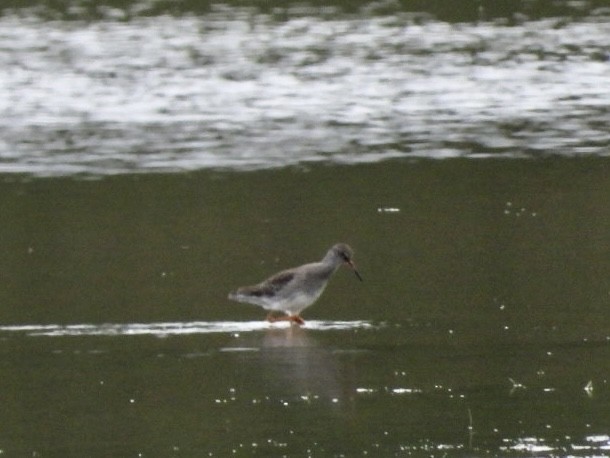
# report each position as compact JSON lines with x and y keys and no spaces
{"x":296,"y":319}
{"x":271,"y":318}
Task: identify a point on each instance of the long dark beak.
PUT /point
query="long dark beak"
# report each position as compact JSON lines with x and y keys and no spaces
{"x":353,"y":266}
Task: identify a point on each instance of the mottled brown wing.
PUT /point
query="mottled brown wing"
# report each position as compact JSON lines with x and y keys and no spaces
{"x":269,"y":287}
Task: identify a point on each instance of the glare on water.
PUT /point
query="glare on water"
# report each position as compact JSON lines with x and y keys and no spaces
{"x":240,"y":90}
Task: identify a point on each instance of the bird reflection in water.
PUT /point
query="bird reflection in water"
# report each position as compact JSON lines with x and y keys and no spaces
{"x":292,"y":365}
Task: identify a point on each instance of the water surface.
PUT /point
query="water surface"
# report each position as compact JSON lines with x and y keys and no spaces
{"x":240,"y":89}
{"x":155,"y":157}
{"x":481,"y":327}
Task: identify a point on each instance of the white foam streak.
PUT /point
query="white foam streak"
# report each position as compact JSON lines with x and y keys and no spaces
{"x":173,"y":328}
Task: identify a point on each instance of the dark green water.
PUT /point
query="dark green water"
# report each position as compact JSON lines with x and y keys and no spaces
{"x":478,"y":275}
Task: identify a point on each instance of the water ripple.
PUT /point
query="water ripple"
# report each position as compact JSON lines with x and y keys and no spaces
{"x":239,"y":90}
{"x":173,"y":328}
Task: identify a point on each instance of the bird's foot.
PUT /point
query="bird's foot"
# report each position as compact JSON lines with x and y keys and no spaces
{"x":296,"y":319}
{"x":292,"y":318}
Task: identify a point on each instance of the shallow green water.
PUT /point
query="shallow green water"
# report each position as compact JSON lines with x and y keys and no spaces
{"x":481,"y":321}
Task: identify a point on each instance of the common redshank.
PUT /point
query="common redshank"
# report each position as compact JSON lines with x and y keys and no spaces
{"x":293,"y":290}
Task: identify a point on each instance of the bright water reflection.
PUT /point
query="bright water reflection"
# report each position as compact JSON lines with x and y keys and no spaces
{"x":171,"y":329}
{"x":236,"y":89}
